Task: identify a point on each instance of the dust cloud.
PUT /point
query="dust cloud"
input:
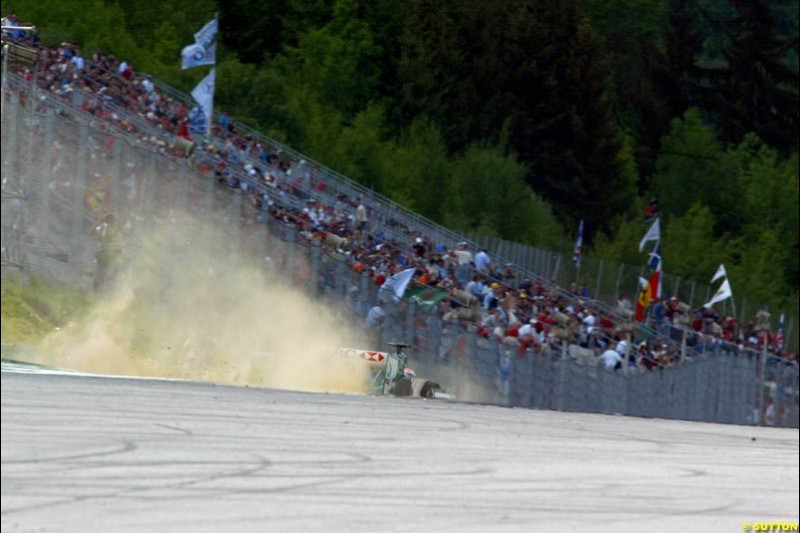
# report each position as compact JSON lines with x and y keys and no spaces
{"x":186,"y":306}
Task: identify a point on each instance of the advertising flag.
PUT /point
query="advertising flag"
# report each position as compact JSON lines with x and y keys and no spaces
{"x":653,"y":234}
{"x":779,"y":336}
{"x":720,"y":274}
{"x":398,"y":283}
{"x":204,"y":95}
{"x":204,"y":49}
{"x":723,"y":293}
{"x":576,"y":256}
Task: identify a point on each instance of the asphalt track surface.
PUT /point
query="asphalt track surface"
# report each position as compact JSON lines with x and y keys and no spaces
{"x":134,"y":455}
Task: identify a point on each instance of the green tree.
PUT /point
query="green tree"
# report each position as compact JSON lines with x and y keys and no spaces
{"x":693,"y":168}
{"x":689,"y":246}
{"x":561,"y":119}
{"x":338,"y":61}
{"x":755,"y":89}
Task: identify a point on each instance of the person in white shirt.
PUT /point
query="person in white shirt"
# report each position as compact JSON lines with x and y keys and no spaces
{"x":482,"y":261}
{"x":77,"y":62}
{"x":476,"y":287}
{"x":527,"y":330}
{"x":611,"y":359}
{"x":147,"y":84}
{"x":361,"y":216}
{"x":622,"y":348}
{"x":589,"y":321}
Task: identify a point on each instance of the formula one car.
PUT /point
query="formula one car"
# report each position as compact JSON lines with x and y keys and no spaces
{"x":390,"y":375}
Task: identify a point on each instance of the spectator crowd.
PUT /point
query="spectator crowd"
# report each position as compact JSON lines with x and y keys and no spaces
{"x":529,"y":315}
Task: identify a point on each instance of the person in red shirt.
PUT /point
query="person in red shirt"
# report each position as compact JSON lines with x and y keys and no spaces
{"x":183,"y":129}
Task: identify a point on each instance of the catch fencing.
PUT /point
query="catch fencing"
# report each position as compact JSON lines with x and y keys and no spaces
{"x":63,"y":169}
{"x":606,"y":281}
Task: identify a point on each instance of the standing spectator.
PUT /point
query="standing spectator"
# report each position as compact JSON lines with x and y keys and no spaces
{"x":361,"y":216}
{"x":77,"y":60}
{"x":482,"y":261}
{"x":147,"y":84}
{"x":419,"y":247}
{"x":125,"y":70}
{"x":225,"y":121}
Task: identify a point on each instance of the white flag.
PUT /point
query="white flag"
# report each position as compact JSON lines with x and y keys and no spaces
{"x":399,"y":282}
{"x":723,"y":293}
{"x":204,"y":49}
{"x":204,"y":94}
{"x":720,"y":274}
{"x":653,"y":234}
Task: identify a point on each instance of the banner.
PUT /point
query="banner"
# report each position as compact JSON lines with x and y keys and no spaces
{"x":426,"y":298}
{"x":204,"y":49}
{"x":204,"y":95}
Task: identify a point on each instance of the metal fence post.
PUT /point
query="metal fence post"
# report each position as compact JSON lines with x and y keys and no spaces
{"x":562,"y":376}
{"x":341,"y":281}
{"x":599,"y":279}
{"x":620,"y":273}
{"x":236,"y":222}
{"x":47,"y":176}
{"x":411,"y":312}
{"x":79,"y":182}
{"x":363,"y":294}
{"x":9,"y":151}
{"x":316,"y":252}
{"x":761,"y":383}
{"x":183,"y":187}
{"x":117,"y":173}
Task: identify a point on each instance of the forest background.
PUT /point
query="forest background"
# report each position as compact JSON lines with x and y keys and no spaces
{"x":515,"y":118}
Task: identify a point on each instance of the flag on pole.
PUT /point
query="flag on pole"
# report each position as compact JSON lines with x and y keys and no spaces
{"x":576,"y":256}
{"x":204,"y":95}
{"x":398,"y":283}
{"x":651,"y":211}
{"x":653,"y":234}
{"x":204,"y":49}
{"x":720,"y":274}
{"x":197,"y":121}
{"x":779,"y":335}
{"x":654,"y":263}
{"x":723,"y":293}
{"x":644,"y":299}
{"x":655,"y":283}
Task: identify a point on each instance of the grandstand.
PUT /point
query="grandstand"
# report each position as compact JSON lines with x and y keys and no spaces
{"x":525,"y":321}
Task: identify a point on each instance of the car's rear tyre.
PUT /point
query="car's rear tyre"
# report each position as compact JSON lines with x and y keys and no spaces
{"x":403,"y":387}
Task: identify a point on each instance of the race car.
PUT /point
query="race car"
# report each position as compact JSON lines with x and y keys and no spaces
{"x":390,"y":375}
